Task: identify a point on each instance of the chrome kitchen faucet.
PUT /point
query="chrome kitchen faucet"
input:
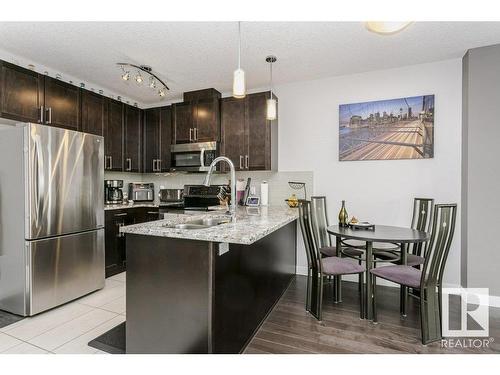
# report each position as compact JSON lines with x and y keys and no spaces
{"x":232,"y":207}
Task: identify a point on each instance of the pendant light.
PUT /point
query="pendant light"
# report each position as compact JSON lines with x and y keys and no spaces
{"x":271,"y":102}
{"x":239,"y":90}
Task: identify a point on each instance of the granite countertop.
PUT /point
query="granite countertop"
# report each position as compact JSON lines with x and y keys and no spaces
{"x":128,"y":205}
{"x":251,"y":225}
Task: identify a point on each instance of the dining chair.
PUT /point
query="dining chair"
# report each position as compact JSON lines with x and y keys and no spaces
{"x":429,"y":280}
{"x":319,"y":266}
{"x":319,"y":221}
{"x":421,"y":220}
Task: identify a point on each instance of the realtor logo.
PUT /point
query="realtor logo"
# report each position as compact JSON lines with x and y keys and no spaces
{"x":473,"y":311}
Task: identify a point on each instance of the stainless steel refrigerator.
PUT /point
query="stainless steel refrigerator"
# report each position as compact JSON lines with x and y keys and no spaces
{"x":51,"y":217}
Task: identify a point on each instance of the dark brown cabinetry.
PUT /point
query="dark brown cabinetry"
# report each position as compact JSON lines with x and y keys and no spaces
{"x":113,"y":136}
{"x":157,"y":139}
{"x":30,"y":97}
{"x":62,"y":104}
{"x":132,"y":139}
{"x":115,"y":255}
{"x":94,"y":113}
{"x":248,"y":138}
{"x":21,"y":94}
{"x":234,"y":131}
{"x":197,"y":119}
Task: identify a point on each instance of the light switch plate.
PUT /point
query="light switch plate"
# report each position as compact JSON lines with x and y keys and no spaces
{"x":223,"y":248}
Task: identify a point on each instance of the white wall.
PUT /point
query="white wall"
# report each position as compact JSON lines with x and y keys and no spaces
{"x":377,"y":191}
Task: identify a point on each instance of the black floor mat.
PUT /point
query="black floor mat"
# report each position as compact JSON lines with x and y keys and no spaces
{"x":7,"y":318}
{"x":112,"y":341}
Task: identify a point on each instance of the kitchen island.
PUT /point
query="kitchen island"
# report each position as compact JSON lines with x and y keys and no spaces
{"x":206,"y":289}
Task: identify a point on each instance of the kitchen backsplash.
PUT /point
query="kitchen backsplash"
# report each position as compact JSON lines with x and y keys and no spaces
{"x":279,"y":190}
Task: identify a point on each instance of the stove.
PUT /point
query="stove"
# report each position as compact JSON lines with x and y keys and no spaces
{"x":196,"y":198}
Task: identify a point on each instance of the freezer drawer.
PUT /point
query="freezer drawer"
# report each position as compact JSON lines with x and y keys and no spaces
{"x":64,"y":268}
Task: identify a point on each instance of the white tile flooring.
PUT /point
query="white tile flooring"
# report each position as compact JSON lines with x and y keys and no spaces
{"x":67,"y":329}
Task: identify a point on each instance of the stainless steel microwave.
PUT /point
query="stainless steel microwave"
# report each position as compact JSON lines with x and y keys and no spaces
{"x":193,"y":157}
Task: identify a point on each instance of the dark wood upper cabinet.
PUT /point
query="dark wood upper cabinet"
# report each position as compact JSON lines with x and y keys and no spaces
{"x":151,"y":140}
{"x":259,"y":133}
{"x":182,"y":114}
{"x":157,"y":139}
{"x":94,"y":113}
{"x":62,"y":104}
{"x":21,"y":93}
{"x":113,"y":136}
{"x":233,"y":131}
{"x":165,"y":138}
{"x":132,"y":139}
{"x":207,"y":120}
{"x":248,"y":138}
{"x":197,"y":119}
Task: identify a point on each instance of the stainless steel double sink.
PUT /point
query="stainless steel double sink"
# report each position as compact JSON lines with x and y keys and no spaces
{"x":199,"y":223}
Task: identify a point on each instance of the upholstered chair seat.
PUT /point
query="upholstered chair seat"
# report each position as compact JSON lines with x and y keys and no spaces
{"x":403,"y":275}
{"x":340,"y":266}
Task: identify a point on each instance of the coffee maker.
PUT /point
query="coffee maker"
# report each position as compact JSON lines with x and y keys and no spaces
{"x":113,"y":191}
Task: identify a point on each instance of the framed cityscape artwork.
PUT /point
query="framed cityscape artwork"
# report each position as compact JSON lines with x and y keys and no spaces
{"x":387,"y":129}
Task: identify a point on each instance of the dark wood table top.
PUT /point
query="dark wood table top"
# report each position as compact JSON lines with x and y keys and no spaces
{"x":381,"y":233}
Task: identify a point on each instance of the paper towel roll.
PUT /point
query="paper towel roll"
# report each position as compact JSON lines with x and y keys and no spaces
{"x":264,"y":193}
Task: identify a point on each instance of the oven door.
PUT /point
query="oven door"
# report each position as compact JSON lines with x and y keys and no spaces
{"x":193,"y":157}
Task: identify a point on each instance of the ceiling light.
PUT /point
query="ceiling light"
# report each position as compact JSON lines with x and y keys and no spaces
{"x":152,"y":83}
{"x":271,"y":102}
{"x":153,"y":80}
{"x":386,"y":28}
{"x":239,"y":75}
{"x":138,"y":78}
{"x":126,"y":76}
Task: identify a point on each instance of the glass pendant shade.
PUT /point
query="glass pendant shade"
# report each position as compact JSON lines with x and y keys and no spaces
{"x":271,"y":109}
{"x":386,"y":28}
{"x":239,"y":87}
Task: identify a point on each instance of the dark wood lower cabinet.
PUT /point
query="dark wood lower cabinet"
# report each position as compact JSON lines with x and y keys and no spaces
{"x":115,"y":252}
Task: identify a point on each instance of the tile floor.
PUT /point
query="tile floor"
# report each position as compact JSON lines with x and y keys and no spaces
{"x":67,"y":329}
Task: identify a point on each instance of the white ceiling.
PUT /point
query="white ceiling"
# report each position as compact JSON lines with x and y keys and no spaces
{"x":195,"y":55}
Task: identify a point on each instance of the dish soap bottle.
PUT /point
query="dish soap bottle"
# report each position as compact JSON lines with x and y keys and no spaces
{"x":343,"y":217}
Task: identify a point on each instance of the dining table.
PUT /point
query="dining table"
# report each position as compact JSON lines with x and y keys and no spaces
{"x":399,"y":236}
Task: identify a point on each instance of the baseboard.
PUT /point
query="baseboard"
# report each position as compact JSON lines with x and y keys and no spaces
{"x":494,"y":301}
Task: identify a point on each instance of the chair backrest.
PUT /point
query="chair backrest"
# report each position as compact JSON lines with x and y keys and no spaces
{"x":443,"y":227}
{"x":312,"y":252}
{"x":421,"y":220}
{"x":319,"y":221}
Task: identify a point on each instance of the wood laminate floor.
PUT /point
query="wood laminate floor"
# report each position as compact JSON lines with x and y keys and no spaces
{"x":289,"y":329}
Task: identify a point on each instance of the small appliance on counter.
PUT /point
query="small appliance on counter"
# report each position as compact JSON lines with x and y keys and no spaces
{"x":171,"y":195}
{"x":113,"y":193}
{"x":141,"y":192}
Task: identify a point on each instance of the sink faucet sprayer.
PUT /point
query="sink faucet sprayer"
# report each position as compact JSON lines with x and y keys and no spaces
{"x":232,"y":207}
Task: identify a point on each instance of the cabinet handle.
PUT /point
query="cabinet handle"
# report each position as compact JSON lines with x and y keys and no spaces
{"x":129,"y":164}
{"x":122,"y":214}
{"x":106,"y":162}
{"x":110,"y":162}
{"x":41,"y":114}
{"x":158,"y":165}
{"x":154,"y":165}
{"x":153,"y":213}
{"x":190,"y":136}
{"x":241,"y":161}
{"x":195,"y":131}
{"x":247,"y":161}
{"x":50,"y":115}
